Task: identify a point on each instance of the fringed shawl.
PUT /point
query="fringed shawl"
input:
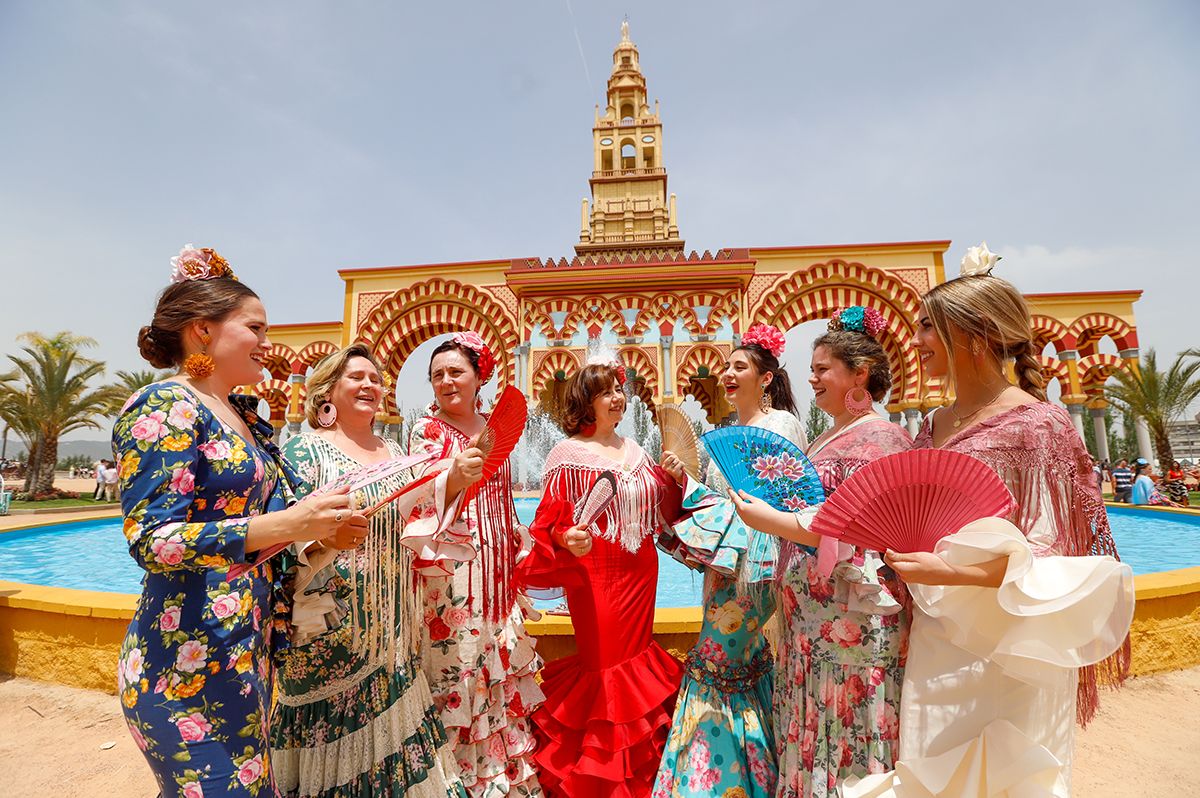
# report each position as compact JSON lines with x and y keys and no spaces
{"x":492,"y":514}
{"x":1040,"y":457}
{"x":571,"y":468}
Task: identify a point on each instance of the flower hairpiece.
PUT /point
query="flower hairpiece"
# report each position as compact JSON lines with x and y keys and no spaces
{"x":766,"y":336}
{"x":614,"y":364}
{"x":978,"y":260}
{"x":857,"y":318}
{"x":474,"y":341}
{"x":201,"y":263}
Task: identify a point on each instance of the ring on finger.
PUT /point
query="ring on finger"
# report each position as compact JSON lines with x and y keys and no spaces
{"x":337,"y":518}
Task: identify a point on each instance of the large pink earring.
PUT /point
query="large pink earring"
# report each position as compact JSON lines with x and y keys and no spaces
{"x":327,"y":415}
{"x":858,"y":401}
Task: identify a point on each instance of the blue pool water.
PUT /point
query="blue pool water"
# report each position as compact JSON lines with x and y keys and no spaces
{"x":91,"y":555}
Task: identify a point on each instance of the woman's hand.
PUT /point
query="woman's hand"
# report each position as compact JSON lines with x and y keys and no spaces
{"x":927,"y":568}
{"x":577,"y":540}
{"x":350,"y":535}
{"x":322,"y":516}
{"x":757,"y":514}
{"x":465,"y":470}
{"x":673,"y":466}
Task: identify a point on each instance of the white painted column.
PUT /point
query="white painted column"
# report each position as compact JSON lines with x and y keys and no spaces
{"x":1145,"y":450}
{"x":668,"y":383}
{"x":1076,"y":412}
{"x":912,"y":418}
{"x":1101,"y":433}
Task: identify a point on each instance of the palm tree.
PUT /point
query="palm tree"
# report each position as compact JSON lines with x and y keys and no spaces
{"x":53,"y":398}
{"x":1157,"y":397}
{"x":131,"y":381}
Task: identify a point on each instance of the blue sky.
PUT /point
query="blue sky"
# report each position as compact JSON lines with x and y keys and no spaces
{"x":299,"y":138}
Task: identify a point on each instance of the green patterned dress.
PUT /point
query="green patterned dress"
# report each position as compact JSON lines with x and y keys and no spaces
{"x":346,"y":724}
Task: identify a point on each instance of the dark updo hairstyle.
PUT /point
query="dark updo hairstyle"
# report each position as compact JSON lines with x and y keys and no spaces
{"x":451,"y":345}
{"x":181,"y":304}
{"x":858,"y":350}
{"x":582,"y":389}
{"x":780,"y":389}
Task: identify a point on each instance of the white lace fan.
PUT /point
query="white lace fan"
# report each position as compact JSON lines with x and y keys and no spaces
{"x":679,"y":438}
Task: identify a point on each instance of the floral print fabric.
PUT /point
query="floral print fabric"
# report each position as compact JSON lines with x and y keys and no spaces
{"x":842,"y":646}
{"x":348,"y":726}
{"x":194,"y":671}
{"x":481,"y":672}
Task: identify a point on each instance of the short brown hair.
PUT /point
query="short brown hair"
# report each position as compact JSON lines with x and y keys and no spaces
{"x":326,"y":374}
{"x":582,"y":389}
{"x":180,"y":304}
{"x":856,"y":350}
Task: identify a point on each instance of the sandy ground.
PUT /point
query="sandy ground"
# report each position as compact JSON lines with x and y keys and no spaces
{"x":64,"y":742}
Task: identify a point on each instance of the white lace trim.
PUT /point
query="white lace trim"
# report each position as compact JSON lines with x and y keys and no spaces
{"x":337,"y":762}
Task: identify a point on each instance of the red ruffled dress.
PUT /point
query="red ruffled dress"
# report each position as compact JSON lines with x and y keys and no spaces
{"x":603,"y":726}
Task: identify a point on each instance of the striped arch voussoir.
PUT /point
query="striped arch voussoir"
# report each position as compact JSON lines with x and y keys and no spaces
{"x":563,"y":360}
{"x":312,"y":354}
{"x":1093,"y":326}
{"x":820,"y":291}
{"x":413,"y":315}
{"x":697,"y":356}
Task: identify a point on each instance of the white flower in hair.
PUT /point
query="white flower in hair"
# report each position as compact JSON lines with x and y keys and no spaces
{"x":978,"y":260}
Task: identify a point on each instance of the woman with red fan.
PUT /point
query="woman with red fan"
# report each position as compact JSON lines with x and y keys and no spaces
{"x":356,"y":620}
{"x":844,"y":616}
{"x":722,"y":736}
{"x":478,"y":658}
{"x":1012,"y":617}
{"x":602,"y":729}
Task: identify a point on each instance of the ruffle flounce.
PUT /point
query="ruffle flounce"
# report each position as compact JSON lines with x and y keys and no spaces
{"x":601,"y":733}
{"x":1000,"y":763}
{"x":494,"y":740}
{"x":712,"y":537}
{"x":439,"y":539}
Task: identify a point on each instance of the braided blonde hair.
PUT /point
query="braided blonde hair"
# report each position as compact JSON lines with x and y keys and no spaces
{"x":992,"y":311}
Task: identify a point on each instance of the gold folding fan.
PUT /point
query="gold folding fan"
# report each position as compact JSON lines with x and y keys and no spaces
{"x":679,"y":437}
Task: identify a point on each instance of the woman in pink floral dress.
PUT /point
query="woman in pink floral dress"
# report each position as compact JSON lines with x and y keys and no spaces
{"x":478,"y":658}
{"x":844,"y":616}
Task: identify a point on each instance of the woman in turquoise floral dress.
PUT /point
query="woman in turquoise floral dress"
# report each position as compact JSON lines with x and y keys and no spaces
{"x":722,"y":740}
{"x":202,"y":489}
{"x":355,"y":716}
{"x":844,"y":612}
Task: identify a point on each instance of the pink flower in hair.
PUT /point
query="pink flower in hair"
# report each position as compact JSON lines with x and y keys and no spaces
{"x":874,"y":322}
{"x":474,"y":341}
{"x":766,"y":336}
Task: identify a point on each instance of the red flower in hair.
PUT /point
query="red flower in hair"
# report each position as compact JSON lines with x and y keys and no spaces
{"x":766,"y":336}
{"x":619,"y":373}
{"x":474,"y":341}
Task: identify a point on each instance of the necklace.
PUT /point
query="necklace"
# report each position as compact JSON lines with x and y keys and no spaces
{"x":960,"y":420}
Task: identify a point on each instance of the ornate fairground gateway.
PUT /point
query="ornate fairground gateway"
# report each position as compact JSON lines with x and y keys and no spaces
{"x":674,"y":315}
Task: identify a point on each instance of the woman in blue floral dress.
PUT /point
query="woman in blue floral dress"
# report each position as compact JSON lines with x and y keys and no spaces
{"x":722,"y":740}
{"x":844,"y":612}
{"x":202,"y":489}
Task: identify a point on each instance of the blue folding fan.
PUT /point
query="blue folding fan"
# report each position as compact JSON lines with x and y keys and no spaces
{"x":765,"y":465}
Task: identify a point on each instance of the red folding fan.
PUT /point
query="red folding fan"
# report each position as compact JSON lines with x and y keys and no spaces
{"x":909,"y":501}
{"x":504,"y":428}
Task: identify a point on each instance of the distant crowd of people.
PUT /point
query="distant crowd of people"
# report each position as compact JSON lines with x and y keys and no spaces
{"x":1139,"y":484}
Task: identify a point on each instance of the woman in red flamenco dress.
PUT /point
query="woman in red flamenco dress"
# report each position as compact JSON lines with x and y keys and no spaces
{"x":603,"y":726}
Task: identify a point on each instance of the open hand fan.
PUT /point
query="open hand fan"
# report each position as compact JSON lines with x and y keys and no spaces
{"x":679,"y":438}
{"x":355,"y":480}
{"x":600,"y":495}
{"x":909,"y":501}
{"x":504,"y":428}
{"x":766,"y":465}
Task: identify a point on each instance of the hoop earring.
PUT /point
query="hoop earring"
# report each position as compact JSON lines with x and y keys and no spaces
{"x":200,"y":364}
{"x":327,"y":415}
{"x":858,"y":401}
{"x":764,"y":401}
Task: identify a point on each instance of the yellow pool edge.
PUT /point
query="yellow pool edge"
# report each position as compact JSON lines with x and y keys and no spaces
{"x":72,"y":637}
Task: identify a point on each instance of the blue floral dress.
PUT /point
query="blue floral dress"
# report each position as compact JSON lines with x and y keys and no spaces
{"x":194,"y":672}
{"x":722,"y":739}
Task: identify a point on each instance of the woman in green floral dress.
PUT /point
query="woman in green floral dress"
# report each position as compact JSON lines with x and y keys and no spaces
{"x":355,"y":716}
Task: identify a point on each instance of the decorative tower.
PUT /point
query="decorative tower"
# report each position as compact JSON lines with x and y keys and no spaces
{"x":630,"y":208}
